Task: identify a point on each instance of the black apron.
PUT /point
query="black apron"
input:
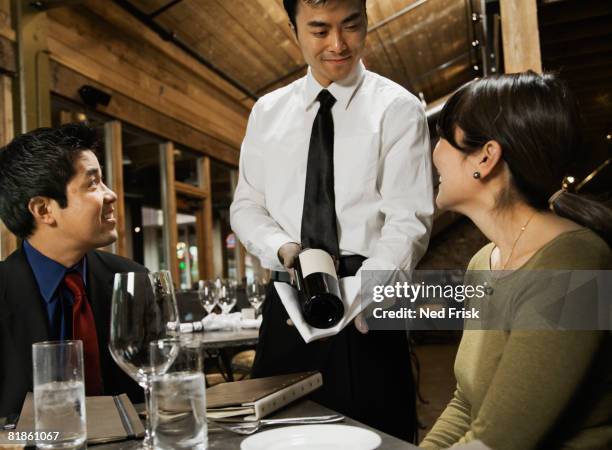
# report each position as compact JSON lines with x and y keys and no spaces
{"x":367,"y":377}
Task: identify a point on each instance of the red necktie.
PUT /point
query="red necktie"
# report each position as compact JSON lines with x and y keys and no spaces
{"x":84,"y":328}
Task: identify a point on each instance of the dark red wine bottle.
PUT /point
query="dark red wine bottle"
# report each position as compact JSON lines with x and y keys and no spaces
{"x":318,"y":288}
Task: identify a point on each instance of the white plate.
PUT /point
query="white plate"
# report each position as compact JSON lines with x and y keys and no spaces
{"x":313,"y":437}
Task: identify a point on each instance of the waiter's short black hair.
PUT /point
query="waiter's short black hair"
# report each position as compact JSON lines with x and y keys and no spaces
{"x":291,"y":7}
{"x":39,"y":163}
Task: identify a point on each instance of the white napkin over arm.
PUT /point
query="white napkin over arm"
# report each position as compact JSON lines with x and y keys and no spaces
{"x":350,"y":288}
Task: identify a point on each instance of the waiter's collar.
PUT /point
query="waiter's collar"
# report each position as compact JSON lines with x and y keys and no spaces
{"x":343,"y":90}
{"x":49,"y":273}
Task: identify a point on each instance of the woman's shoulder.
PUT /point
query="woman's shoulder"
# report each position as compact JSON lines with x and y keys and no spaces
{"x":580,"y":249}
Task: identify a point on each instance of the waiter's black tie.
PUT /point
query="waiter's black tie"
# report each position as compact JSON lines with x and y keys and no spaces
{"x":319,"y":214}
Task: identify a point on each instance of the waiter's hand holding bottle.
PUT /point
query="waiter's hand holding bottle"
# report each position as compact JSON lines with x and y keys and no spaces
{"x":287,"y":255}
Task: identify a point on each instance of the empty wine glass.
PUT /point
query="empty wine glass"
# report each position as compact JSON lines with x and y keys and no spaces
{"x":256,"y":294}
{"x":143,"y":310}
{"x":226,"y":295}
{"x":207,"y":294}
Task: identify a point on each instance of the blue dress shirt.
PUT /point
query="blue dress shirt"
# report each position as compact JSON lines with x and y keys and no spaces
{"x":58,"y":299}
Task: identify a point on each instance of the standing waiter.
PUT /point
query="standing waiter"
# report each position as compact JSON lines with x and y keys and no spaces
{"x":338,"y":160}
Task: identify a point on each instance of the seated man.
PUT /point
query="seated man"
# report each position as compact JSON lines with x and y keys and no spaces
{"x":52,"y":197}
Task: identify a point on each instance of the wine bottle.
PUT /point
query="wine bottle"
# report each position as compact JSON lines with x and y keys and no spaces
{"x":318,"y":288}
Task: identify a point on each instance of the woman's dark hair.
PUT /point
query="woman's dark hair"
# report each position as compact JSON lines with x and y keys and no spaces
{"x":291,"y":7}
{"x":535,"y":120}
{"x":39,"y":163}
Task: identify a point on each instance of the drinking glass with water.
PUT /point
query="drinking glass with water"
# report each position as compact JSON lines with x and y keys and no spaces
{"x":178,"y":396}
{"x":59,"y":395}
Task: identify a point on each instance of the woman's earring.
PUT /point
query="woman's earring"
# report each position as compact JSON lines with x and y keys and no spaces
{"x":476,"y":175}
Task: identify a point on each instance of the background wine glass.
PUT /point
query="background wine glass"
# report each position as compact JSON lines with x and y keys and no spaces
{"x":227,"y":295}
{"x":143,"y":310}
{"x":256,"y":293}
{"x":207,"y":294}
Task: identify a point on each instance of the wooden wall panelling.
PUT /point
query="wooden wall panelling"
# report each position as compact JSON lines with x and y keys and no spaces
{"x":31,"y":98}
{"x":6,"y":29}
{"x":170,"y":230}
{"x":100,"y":63}
{"x":115,"y":15}
{"x":66,"y":82}
{"x":149,"y":59}
{"x":7,"y":55}
{"x":520,"y":35}
{"x":189,"y":190}
{"x":207,"y":259}
{"x":114,"y":170}
{"x":6,"y":110}
{"x":8,"y":241}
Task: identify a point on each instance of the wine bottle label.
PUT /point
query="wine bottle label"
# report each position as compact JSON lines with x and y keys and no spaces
{"x":314,"y":260}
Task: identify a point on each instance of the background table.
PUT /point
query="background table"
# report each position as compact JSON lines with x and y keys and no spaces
{"x":225,"y":338}
{"x":222,"y":345}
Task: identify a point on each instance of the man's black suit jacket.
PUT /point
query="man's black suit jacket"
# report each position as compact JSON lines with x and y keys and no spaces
{"x":24,"y":321}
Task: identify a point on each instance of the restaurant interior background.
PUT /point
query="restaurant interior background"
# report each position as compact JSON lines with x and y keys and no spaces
{"x":170,"y":83}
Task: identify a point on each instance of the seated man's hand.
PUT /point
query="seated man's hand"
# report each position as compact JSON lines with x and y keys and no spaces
{"x":287,"y":254}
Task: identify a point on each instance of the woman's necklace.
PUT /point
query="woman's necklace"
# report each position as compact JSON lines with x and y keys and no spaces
{"x":518,"y":237}
{"x":489,"y":288}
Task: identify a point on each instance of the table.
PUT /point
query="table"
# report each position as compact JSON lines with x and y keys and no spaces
{"x":221,"y":344}
{"x":225,"y":338}
{"x":219,"y":439}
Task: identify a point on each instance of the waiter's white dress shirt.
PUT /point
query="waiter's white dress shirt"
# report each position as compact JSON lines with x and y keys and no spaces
{"x":382,"y":171}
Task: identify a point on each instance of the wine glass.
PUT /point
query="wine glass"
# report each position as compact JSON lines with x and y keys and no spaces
{"x":207,"y":294}
{"x":226,"y":295}
{"x":256,"y":293}
{"x":143,"y":310}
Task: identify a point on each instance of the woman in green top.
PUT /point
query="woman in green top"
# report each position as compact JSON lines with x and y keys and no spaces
{"x":506,"y":145}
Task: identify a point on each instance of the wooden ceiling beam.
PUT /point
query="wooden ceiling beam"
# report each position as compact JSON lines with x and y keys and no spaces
{"x":115,"y":15}
{"x":173,"y":38}
{"x":397,"y":15}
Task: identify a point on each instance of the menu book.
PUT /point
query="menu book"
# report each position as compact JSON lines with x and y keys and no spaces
{"x":256,"y":398}
{"x":109,"y":418}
